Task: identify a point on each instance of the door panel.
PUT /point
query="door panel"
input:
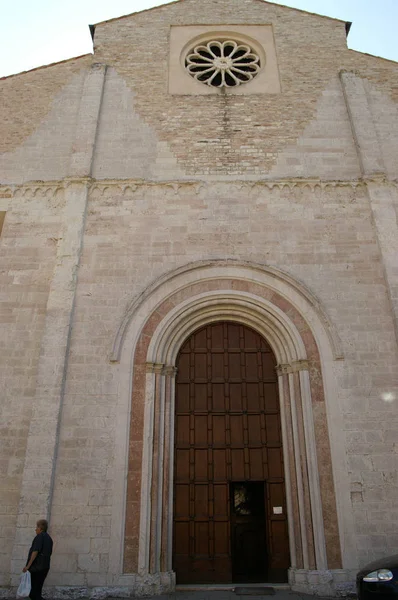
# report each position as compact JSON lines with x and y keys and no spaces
{"x":227,"y":434}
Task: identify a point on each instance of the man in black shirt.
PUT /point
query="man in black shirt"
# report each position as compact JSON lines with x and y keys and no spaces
{"x":38,"y":562}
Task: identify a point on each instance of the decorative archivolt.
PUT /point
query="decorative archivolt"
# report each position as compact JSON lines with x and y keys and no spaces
{"x":268,"y":277}
{"x":199,"y":311}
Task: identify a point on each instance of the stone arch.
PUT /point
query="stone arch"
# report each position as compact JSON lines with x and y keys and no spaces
{"x":304,"y":343}
{"x":242,"y":270}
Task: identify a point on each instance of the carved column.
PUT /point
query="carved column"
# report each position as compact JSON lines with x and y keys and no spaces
{"x":304,"y":506}
{"x":290,"y":473}
{"x":160,"y":469}
{"x":166,"y":558}
{"x":147,"y":462}
{"x":157,"y":467}
{"x":313,"y":472}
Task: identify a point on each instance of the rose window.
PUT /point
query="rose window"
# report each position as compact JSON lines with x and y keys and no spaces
{"x":223,"y":63}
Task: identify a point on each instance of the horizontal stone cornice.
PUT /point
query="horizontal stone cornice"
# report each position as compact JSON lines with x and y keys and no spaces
{"x":130,"y":186}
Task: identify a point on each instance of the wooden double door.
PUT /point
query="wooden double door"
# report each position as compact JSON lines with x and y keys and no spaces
{"x":230,"y":521}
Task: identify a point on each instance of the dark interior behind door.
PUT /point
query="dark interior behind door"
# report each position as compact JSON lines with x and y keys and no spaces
{"x":248,"y":532}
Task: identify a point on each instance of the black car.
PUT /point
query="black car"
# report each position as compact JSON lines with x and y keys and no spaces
{"x":379,"y":580}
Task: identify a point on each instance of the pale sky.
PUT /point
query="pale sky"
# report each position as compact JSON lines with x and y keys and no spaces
{"x":39,"y":32}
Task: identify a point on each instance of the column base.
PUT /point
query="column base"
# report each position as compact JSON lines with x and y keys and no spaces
{"x":328,"y":582}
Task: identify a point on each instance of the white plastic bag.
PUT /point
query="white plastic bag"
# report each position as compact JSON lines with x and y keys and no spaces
{"x":23,"y":590}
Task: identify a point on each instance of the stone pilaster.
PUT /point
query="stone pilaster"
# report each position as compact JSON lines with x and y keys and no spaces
{"x":362,"y":125}
{"x":309,"y":547}
{"x":384,"y":202}
{"x":383,"y":195}
{"x":41,"y":452}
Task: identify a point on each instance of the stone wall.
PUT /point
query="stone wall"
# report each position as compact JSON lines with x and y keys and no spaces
{"x":322,"y":235}
{"x":304,"y":131}
{"x":139,"y":183}
{"x":244,"y":134}
{"x":28,"y":245}
{"x":38,"y":121}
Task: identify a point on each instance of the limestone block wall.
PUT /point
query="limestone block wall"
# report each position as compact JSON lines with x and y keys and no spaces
{"x":303,"y":132}
{"x":239,"y":134}
{"x":38,"y":121}
{"x":323,"y":236}
{"x":371,"y":147}
{"x":326,"y":147}
{"x":140,"y":182}
{"x":385,"y":114}
{"x":28,"y":245}
{"x":382,"y":93}
{"x":126,"y":146}
{"x":247,"y":134}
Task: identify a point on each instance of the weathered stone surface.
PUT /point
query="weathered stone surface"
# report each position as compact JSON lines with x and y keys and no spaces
{"x":107,"y":184}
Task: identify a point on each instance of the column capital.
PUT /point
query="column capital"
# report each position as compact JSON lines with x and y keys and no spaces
{"x":293,"y":367}
{"x":170,"y":371}
{"x":154,"y":368}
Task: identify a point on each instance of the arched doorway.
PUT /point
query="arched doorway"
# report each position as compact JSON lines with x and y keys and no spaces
{"x":289,"y":318}
{"x":230,"y":519}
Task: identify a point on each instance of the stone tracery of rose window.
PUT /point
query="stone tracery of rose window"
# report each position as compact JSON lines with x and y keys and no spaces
{"x":221,"y":64}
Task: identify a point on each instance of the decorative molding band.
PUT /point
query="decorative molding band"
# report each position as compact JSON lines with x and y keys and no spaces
{"x":127,"y":188}
{"x":130,"y":186}
{"x":42,"y":189}
{"x":34,"y":190}
{"x":87,"y":181}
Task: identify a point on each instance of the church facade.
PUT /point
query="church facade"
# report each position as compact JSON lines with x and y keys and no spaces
{"x":199,"y":304}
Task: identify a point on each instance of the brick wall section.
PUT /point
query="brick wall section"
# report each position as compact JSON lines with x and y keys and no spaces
{"x":126,"y":146}
{"x":26,"y":99}
{"x":379,"y":71}
{"x":45,"y":154}
{"x":28,"y":246}
{"x":326,"y":147}
{"x":226,"y":134}
{"x":385,"y":118}
{"x":233,"y":134}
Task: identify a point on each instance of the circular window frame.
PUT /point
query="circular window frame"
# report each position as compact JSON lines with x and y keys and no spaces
{"x":223,"y":36}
